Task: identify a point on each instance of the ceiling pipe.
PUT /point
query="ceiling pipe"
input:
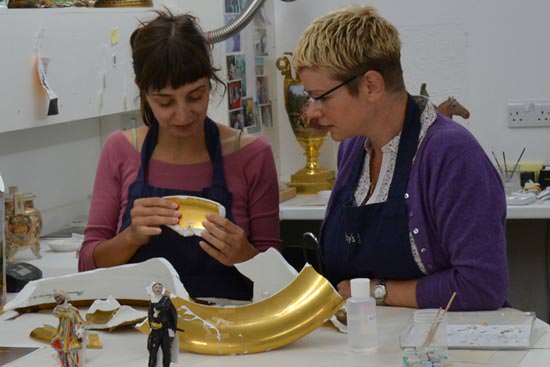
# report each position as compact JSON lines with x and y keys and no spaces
{"x":228,"y":30}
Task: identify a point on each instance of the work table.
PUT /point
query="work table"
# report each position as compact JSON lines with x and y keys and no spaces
{"x":313,"y":207}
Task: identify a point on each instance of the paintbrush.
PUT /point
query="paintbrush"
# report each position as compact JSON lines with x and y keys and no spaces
{"x":498,"y":164}
{"x":505,"y":165}
{"x":437,"y":320}
{"x":517,"y":162}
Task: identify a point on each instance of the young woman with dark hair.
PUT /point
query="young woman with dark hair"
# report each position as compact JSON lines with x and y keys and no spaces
{"x":180,"y":151}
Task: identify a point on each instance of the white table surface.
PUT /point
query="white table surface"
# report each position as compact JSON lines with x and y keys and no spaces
{"x":324,"y":347}
{"x":312,"y":207}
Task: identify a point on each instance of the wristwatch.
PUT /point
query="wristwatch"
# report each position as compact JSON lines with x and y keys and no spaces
{"x":380,"y":292}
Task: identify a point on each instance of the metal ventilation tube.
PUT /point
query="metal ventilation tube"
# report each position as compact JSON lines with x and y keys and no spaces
{"x":228,"y":30}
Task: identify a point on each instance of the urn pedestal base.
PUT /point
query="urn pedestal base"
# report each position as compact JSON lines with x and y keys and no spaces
{"x":312,"y":182}
{"x":312,"y":178}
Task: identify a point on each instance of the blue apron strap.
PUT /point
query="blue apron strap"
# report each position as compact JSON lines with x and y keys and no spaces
{"x":407,"y":150}
{"x":350,"y":186}
{"x":147,"y":150}
{"x":212,"y":136}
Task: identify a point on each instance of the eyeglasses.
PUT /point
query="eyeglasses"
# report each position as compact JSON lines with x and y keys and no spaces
{"x":324,"y":95}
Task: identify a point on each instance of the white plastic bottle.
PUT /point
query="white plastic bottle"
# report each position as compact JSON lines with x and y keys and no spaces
{"x":361,"y":315}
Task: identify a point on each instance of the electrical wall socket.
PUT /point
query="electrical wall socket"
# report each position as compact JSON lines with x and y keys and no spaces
{"x":542,"y":113}
{"x":528,"y":114}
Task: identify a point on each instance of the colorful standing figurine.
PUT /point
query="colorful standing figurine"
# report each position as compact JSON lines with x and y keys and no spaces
{"x":162,"y":317}
{"x":68,"y":341}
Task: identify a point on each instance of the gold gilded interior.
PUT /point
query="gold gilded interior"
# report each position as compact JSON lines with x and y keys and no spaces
{"x":194,"y":211}
{"x":94,"y":342}
{"x":44,"y":333}
{"x":100,"y":317}
{"x":274,"y":322}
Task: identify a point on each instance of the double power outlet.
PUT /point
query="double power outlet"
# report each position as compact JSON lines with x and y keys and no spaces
{"x":528,"y":114}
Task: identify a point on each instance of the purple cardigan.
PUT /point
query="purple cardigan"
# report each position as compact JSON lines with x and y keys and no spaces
{"x":457,"y":215}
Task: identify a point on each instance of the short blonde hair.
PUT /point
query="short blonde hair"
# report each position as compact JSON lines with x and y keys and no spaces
{"x":350,"y":41}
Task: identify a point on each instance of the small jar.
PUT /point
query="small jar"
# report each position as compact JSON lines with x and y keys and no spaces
{"x":23,"y":224}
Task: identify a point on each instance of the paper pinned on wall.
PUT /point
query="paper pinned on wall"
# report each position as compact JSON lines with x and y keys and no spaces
{"x":40,"y":66}
{"x":125,"y":91}
{"x":102,"y":76}
{"x":115,"y":36}
{"x":40,"y":69}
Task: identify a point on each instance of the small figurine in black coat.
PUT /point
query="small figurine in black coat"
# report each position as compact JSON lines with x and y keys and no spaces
{"x":162,"y":317}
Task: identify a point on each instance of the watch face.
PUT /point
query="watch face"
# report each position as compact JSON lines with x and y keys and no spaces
{"x":379,"y":291}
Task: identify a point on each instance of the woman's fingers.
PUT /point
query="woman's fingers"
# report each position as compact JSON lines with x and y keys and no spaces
{"x":143,"y":211}
{"x":215,"y":231}
{"x":154,"y":212}
{"x":153,"y":220}
{"x":224,"y":223}
{"x":218,"y":243}
{"x":155,"y":202}
{"x":218,"y":240}
{"x":150,"y":231}
{"x":226,"y":241}
{"x":148,"y":214}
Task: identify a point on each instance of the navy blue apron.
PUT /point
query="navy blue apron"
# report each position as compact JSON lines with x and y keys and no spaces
{"x":372,"y":240}
{"x":202,"y":275}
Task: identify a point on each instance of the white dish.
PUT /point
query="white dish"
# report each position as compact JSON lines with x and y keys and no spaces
{"x":521,"y":198}
{"x":65,"y":244}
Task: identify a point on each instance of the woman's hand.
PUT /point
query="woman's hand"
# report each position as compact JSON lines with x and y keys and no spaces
{"x":148,"y":214}
{"x":344,"y":288}
{"x":225,"y":241}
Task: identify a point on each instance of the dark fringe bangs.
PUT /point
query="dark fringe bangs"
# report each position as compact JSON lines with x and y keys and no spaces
{"x":168,"y":66}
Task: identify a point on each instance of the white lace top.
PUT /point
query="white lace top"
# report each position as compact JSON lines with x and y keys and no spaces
{"x":389,"y":157}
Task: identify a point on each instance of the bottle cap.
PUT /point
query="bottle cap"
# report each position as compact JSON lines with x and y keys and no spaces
{"x":360,"y":288}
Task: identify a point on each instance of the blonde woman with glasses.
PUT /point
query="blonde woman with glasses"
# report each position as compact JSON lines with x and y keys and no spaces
{"x":417,"y":205}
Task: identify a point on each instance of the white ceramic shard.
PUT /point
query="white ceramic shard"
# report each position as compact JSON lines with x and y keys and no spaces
{"x":122,"y":282}
{"x":107,"y":304}
{"x":269,"y":271}
{"x":124,"y":315}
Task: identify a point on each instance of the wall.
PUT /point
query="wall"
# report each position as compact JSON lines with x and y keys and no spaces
{"x":89,"y":68}
{"x":56,"y":158}
{"x":483,"y":52}
{"x":486,"y":53}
